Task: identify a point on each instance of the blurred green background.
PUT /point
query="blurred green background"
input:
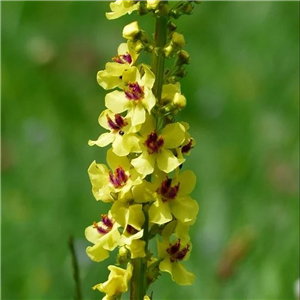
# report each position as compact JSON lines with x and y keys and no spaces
{"x":242,"y":89}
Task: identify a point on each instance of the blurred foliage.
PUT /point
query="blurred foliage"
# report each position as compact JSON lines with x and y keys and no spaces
{"x":242,"y":89}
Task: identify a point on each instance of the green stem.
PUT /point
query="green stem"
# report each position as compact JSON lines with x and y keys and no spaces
{"x":136,"y":291}
{"x":158,"y":59}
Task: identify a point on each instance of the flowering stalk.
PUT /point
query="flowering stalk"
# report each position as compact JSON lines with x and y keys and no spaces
{"x":144,"y":183}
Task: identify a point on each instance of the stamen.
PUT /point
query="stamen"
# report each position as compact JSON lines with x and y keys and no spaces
{"x":154,"y":142}
{"x":106,"y":220}
{"x":117,"y":124}
{"x":118,"y":178}
{"x":100,"y":229}
{"x":167,"y":191}
{"x":175,"y":252}
{"x":123,"y":59}
{"x":186,"y":149}
{"x":134,"y":91}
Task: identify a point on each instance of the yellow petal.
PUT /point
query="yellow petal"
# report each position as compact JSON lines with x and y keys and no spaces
{"x":187,"y":181}
{"x":103,"y":140}
{"x":116,"y":101}
{"x":97,"y":253}
{"x":144,"y":164}
{"x":167,"y":162}
{"x":181,"y":276}
{"x":185,"y":209}
{"x":138,"y":114}
{"x":159,"y":213}
{"x":174,"y":135}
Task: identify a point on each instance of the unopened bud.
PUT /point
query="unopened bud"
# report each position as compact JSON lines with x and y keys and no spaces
{"x":179,"y":101}
{"x":188,"y":8}
{"x":152,"y":4}
{"x":122,"y":255}
{"x":131,"y":31}
{"x":183,"y":58}
{"x":171,"y":26}
{"x":178,"y":40}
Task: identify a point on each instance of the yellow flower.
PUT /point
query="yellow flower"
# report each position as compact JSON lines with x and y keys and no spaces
{"x":109,"y":186}
{"x":111,"y":77}
{"x":157,"y":148}
{"x":171,"y":94}
{"x":117,"y":282}
{"x":120,"y":8}
{"x":172,"y":198}
{"x":131,"y":31}
{"x":122,"y":134}
{"x":188,"y":143}
{"x":131,"y":218}
{"x":172,"y":253}
{"x":137,"y":96}
{"x":104,"y":235}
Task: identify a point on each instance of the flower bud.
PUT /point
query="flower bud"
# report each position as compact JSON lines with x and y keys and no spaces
{"x":152,"y":4}
{"x":188,"y":8}
{"x":178,"y":40}
{"x":122,"y":255}
{"x":183,"y":58}
{"x":171,"y":26}
{"x":179,"y":101}
{"x":131,"y":31}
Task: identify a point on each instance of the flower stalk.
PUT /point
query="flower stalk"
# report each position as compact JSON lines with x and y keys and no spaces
{"x":158,"y":58}
{"x":144,"y":183}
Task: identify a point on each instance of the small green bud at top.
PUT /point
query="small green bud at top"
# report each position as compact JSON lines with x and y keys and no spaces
{"x":131,"y":31}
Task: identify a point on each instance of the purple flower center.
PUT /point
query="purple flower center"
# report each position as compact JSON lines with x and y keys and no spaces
{"x":117,"y":124}
{"x":176,"y":253}
{"x":186,"y":149}
{"x":167,"y":191}
{"x":134,"y":91}
{"x":131,"y":230}
{"x":154,"y":142}
{"x":118,"y":178}
{"x":106,"y":224}
{"x":123,"y":59}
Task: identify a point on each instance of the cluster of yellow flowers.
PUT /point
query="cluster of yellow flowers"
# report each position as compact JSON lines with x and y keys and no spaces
{"x":144,"y":183}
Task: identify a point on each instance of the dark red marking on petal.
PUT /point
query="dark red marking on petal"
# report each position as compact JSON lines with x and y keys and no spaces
{"x":117,"y":124}
{"x":118,"y":178}
{"x":131,"y":230}
{"x":100,"y":229}
{"x":134,"y":91}
{"x":123,"y":58}
{"x":106,"y":220}
{"x":176,"y":253}
{"x":167,"y":191}
{"x":187,"y":148}
{"x":154,"y":142}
